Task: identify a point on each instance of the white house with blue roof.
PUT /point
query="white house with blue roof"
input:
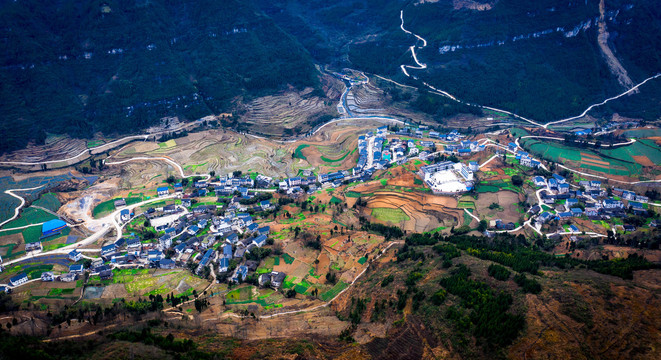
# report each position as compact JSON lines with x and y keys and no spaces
{"x":19,"y":279}
{"x":75,"y":255}
{"x":259,"y":241}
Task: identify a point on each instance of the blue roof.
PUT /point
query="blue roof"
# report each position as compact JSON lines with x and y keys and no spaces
{"x":52,"y":225}
{"x":76,"y":267}
{"x":264,"y":229}
{"x":74,"y":252}
{"x":576,"y":210}
{"x":573,"y":228}
{"x":224,"y":262}
{"x":18,"y":277}
{"x":227,"y":249}
{"x":166,"y":262}
{"x":163,"y":188}
{"x":260,"y":239}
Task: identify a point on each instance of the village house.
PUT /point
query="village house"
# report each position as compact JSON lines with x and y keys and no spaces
{"x":19,"y":279}
{"x":75,"y":255}
{"x":47,"y":276}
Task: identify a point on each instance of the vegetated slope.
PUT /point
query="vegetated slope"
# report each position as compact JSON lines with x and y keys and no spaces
{"x":540,"y":59}
{"x":116,"y":66}
{"x":469,"y":297}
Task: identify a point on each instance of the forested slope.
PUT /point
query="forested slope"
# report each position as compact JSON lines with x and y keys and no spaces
{"x":117,"y":66}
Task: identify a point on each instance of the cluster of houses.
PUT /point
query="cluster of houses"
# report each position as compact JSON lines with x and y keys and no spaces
{"x":590,"y":200}
{"x":524,"y":158}
{"x":418,"y":132}
{"x":75,"y":270}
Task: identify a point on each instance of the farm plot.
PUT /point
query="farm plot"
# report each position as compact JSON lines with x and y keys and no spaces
{"x":620,"y":163}
{"x":643,"y":152}
{"x":48,"y":201}
{"x":394,"y":216}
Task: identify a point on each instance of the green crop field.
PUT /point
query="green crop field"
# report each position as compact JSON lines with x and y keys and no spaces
{"x":302,"y":287}
{"x":646,"y":148}
{"x":34,"y":272}
{"x":642,"y":133}
{"x":108,"y":206}
{"x":362,"y":260}
{"x":28,"y":216}
{"x":390,"y":215}
{"x":240,"y":294}
{"x":467,"y":218}
{"x":330,"y":294}
{"x":288,"y":282}
{"x":516,"y":132}
{"x":298,"y":154}
{"x":323,"y":158}
{"x":48,"y":201}
{"x":335,"y":200}
{"x":193,"y":167}
{"x":466,"y":205}
{"x":615,"y":162}
{"x":103,"y":208}
{"x":352,"y":194}
{"x":487,"y":188}
{"x":288,"y":258}
{"x":168,"y":144}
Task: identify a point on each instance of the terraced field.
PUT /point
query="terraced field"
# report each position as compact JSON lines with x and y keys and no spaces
{"x":425,"y":211}
{"x":394,"y":216}
{"x":290,"y":110}
{"x":620,"y":163}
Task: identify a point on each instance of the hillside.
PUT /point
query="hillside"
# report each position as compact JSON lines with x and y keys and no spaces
{"x":118,"y":66}
{"x":541,"y":59}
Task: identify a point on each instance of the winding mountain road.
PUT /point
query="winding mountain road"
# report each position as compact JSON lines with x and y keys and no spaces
{"x":422,"y":66}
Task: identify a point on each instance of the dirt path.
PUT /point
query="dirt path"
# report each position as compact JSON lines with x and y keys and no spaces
{"x":614,"y":64}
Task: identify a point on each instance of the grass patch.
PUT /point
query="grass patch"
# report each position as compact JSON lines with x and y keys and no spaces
{"x":48,"y":201}
{"x":390,"y":215}
{"x":288,"y":258}
{"x":328,"y":295}
{"x":298,"y":154}
{"x":325,"y":159}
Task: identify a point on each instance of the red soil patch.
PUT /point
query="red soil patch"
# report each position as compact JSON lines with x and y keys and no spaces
{"x":643,"y":160}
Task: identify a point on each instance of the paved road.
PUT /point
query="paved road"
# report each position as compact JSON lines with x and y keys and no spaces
{"x":20,"y":206}
{"x":109,"y":222}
